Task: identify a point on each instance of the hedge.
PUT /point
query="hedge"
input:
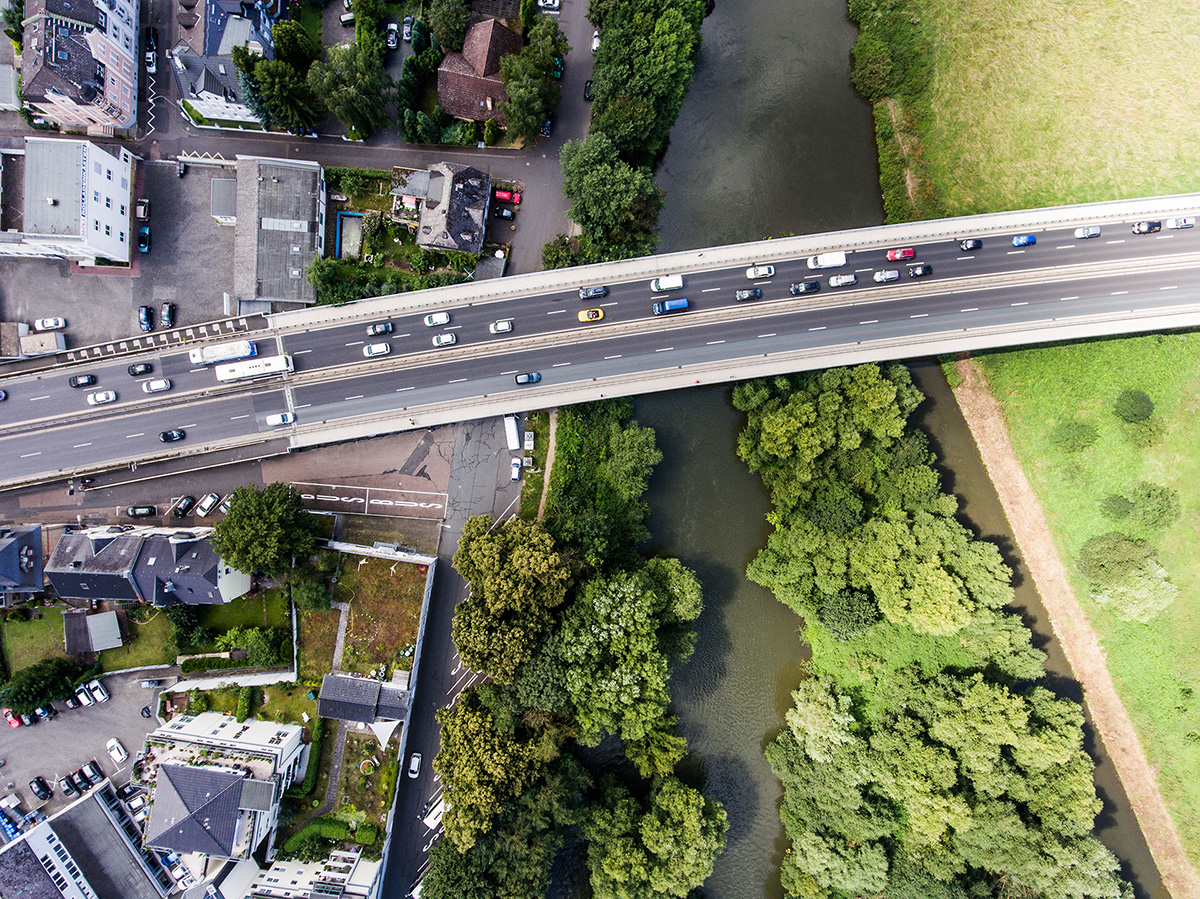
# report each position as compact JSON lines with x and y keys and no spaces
{"x":306,"y":786}
{"x":366,"y":835}
{"x":220,"y":664}
{"x":325,"y":828}
{"x":245,"y":697}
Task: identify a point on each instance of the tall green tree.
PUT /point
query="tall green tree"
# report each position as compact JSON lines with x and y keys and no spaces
{"x":352,"y":84}
{"x":294,"y":45}
{"x":265,"y":529}
{"x":614,"y":203}
{"x":288,"y":97}
{"x":448,"y":21}
{"x":43,"y":682}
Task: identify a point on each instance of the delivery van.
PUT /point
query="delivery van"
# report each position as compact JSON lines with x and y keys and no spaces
{"x":667,"y":282}
{"x":510,"y":433}
{"x":668,"y":306}
{"x":827,"y":260}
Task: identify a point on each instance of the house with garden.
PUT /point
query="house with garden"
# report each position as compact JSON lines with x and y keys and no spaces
{"x":454,"y":214}
{"x":468,"y":83}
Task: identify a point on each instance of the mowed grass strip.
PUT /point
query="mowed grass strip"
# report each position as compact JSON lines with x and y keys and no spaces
{"x":1155,"y":666}
{"x":1038,"y":104}
{"x":27,"y":642}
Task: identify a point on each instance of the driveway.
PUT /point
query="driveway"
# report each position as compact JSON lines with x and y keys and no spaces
{"x":67,"y":742}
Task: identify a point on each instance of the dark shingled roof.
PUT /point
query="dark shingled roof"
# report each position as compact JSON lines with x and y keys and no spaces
{"x":347,"y":698}
{"x":63,"y":61}
{"x":95,"y":566}
{"x":195,"y":810}
{"x":21,"y":558}
{"x":22,"y":875}
{"x":453,"y":216}
{"x":469,"y":84}
{"x":102,"y":852}
{"x":393,"y":703}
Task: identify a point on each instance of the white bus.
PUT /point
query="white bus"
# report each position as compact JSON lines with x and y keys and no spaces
{"x":223,"y":352}
{"x":262,"y":367}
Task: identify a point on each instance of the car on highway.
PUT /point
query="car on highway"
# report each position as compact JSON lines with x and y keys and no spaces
{"x":140,"y":368}
{"x":901,"y":253}
{"x":49,"y":324}
{"x":842,"y":280}
{"x":157,"y":385}
{"x":1180,"y":223}
{"x":204,"y":509}
{"x":447,"y":339}
{"x":888,"y":274}
{"x":408,"y":27}
{"x":141,"y":511}
{"x":13,"y":720}
{"x":81,"y":380}
{"x":116,"y":751}
{"x":67,"y":788}
{"x":1147,"y":227}
{"x":433,"y":319}
{"x":515,"y":470}
{"x":183,"y":506}
{"x":3,"y":395}
{"x":379,"y":328}
{"x":144,"y":239}
{"x":279,"y":419}
{"x":587,"y":89}
{"x":970,"y":244}
{"x":593,"y":293}
{"x":84,"y":697}
{"x":752,"y":294}
{"x":144,"y":321}
{"x":172,"y":435}
{"x":393,"y":36}
{"x":376,"y":349}
{"x":101,"y":397}
{"x":920,"y":270}
{"x":40,"y":788}
{"x":528,"y":377}
{"x":590,"y":315}
{"x":1087,"y":232}
{"x":98,"y":691}
{"x":760,"y":271}
{"x":414,"y":764}
{"x":166,"y":314}
{"x":504,"y":326}
{"x":595,"y":41}
{"x":502,"y":212}
{"x":801,"y":287}
{"x":1024,"y":240}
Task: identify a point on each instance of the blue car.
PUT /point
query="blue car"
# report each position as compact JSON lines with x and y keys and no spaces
{"x":144,"y":239}
{"x":1024,"y":240}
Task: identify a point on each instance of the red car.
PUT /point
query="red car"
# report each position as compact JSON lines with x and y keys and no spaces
{"x":13,"y":720}
{"x":508,"y":196}
{"x":905,"y":253}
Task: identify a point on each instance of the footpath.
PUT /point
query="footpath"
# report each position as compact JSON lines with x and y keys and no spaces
{"x":1072,"y":629}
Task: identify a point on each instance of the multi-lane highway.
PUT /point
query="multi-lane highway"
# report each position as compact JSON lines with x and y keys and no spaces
{"x":1000,"y":293}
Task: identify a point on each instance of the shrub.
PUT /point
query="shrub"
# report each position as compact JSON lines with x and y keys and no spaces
{"x":1115,"y":506}
{"x":1154,"y":505}
{"x":491,"y":132}
{"x":306,"y":786}
{"x":245,"y":697}
{"x":1133,"y":406}
{"x":366,"y":835}
{"x":1109,"y":558}
{"x":311,"y":595}
{"x":1139,"y":596}
{"x":872,"y":73}
{"x":848,"y":614}
{"x":1072,"y":435}
{"x":212,"y":664}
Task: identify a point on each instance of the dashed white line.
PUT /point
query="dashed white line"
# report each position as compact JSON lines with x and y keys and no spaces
{"x":1066,"y":246}
{"x":970,"y":309}
{"x":409,"y":334}
{"x":357,"y":396}
{"x":398,"y":390}
{"x":302,"y":406}
{"x":456,"y":380}
{"x":356,"y":343}
{"x":1023,"y":303}
{"x":714,"y":342}
{"x":962,"y":258}
{"x":192,"y":425}
{"x":130,"y":436}
{"x":606,"y":305}
{"x":34,"y":398}
{"x":556,"y":311}
{"x":709,"y":289}
{"x":301,"y":352}
{"x":664,"y":349}
{"x":1118,"y":293}
{"x":1163,"y":236}
{"x":237,"y":417}
{"x":1122,"y":240}
{"x":81,"y":445}
{"x":453,"y":327}
{"x":559,"y":364}
{"x":31,"y":455}
{"x":818,"y":328}
{"x":1172,"y":287}
{"x":920,"y":315}
{"x":873,"y":321}
{"x":761,"y":336}
{"x":618,"y":356}
{"x":513,"y":372}
{"x":1015,"y":252}
{"x":1060,"y":299}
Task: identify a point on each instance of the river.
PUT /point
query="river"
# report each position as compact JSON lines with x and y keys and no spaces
{"x":772,"y":141}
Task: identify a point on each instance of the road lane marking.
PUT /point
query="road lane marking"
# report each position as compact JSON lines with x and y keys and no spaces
{"x":1118,"y":293}
{"x":970,"y":309}
{"x":761,"y":336}
{"x":34,"y":398}
{"x":920,"y":315}
{"x":618,"y":356}
{"x":821,"y":328}
{"x":238,"y":417}
{"x":81,"y":445}
{"x":714,"y":342}
{"x":31,"y":455}
{"x":1060,"y":299}
{"x":606,"y":305}
{"x":664,"y":349}
{"x":141,"y":434}
{"x":1015,"y":252}
{"x":513,"y":372}
{"x":961,"y":258}
{"x":356,"y":343}
{"x":1066,"y":246}
{"x":357,"y":396}
{"x":873,"y":321}
{"x":398,"y":390}
{"x":1172,"y":287}
{"x":301,"y":352}
{"x":192,"y":425}
{"x":302,"y":406}
{"x":559,"y":364}
{"x":456,"y":380}
{"x":1025,"y":303}
{"x":709,"y":289}
{"x":556,"y":311}
{"x":453,"y":327}
{"x":1122,"y":240}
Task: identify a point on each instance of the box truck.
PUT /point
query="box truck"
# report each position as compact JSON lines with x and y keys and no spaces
{"x":510,"y":431}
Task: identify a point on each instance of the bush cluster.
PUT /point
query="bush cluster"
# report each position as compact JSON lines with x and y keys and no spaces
{"x":306,"y":786}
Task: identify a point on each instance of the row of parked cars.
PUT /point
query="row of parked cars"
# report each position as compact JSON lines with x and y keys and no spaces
{"x":85,"y":694}
{"x":84,"y":779}
{"x":186,"y":505}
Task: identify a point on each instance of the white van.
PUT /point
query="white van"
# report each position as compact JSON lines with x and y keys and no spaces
{"x":667,"y":282}
{"x":827,"y":260}
{"x":347,"y":19}
{"x":279,"y":419}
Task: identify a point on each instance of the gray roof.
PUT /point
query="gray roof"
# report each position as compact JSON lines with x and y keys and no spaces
{"x":9,"y":99}
{"x":102,"y":851}
{"x":257,"y":795}
{"x":22,"y":875}
{"x":176,"y":570}
{"x":95,"y":566}
{"x":215,"y":75}
{"x":195,"y":810}
{"x":347,"y":698}
{"x":57,"y":55}
{"x":393,"y":703}
{"x":222,"y":197}
{"x":53,"y":171}
{"x":21,"y":558}
{"x":277,"y":229}
{"x":453,"y":215}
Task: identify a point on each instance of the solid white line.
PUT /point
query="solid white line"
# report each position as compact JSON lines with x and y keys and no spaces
{"x":236,"y":417}
{"x":618,"y":356}
{"x":1118,"y":293}
{"x":301,"y":352}
{"x":971,"y":309}
{"x":357,"y":396}
{"x":1172,"y":287}
{"x":714,"y":342}
{"x":1060,"y":299}
{"x":559,"y":364}
{"x":556,"y":311}
{"x":664,"y":349}
{"x":81,"y":445}
{"x":821,"y":328}
{"x":873,"y":321}
{"x":920,"y":315}
{"x":31,"y":455}
{"x":456,"y":380}
{"x":1025,"y":303}
{"x":761,"y":336}
{"x":46,"y":397}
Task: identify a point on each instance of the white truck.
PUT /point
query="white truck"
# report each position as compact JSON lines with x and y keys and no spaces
{"x":510,"y":432}
{"x":434,"y":817}
{"x":827,"y":260}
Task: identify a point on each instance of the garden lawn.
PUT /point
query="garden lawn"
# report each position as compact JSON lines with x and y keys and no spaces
{"x":26,"y":642}
{"x":310,"y":19}
{"x":285,"y":703}
{"x":318,"y":637}
{"x":531,"y":490}
{"x":365,"y":791}
{"x":1038,"y":104}
{"x":385,"y":608}
{"x":267,"y":609}
{"x":147,"y":645}
{"x":1155,"y":666}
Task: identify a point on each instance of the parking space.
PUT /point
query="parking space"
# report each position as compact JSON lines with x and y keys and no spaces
{"x":74,"y":737}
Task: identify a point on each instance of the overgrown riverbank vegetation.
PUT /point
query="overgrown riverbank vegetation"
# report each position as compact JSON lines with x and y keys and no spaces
{"x":923,"y":757}
{"x":578,"y":634}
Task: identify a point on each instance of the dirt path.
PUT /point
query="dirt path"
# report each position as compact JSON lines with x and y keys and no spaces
{"x":910,"y":180}
{"x":548,"y":466}
{"x":1071,"y":627}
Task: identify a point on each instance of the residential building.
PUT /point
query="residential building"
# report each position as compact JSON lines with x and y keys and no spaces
{"x":20,"y":562}
{"x":92,"y":849}
{"x":454,"y":214}
{"x":343,"y":875}
{"x":217,"y":783}
{"x":77,"y":202}
{"x":280,"y":229}
{"x":363,"y":700}
{"x":85,"y":632}
{"x":80,"y":65}
{"x":468,"y":83}
{"x":160,"y":566}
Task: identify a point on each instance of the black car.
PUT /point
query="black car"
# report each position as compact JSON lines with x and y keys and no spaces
{"x":752,"y":294}
{"x":1147,"y":227}
{"x":503,"y":212}
{"x":971,"y":243}
{"x":183,"y":506}
{"x":379,"y":328}
{"x":81,"y":380}
{"x":146,"y":713}
{"x":591,"y":293}
{"x":805,"y":287}
{"x":144,"y":320}
{"x":40,"y":788}
{"x":81,"y":781}
{"x":172,"y":435}
{"x":128,"y":791}
{"x":152,"y":39}
{"x":141,"y":511}
{"x":180,"y":168}
{"x":28,"y":720}
{"x":920,"y":270}
{"x":140,"y":368}
{"x":166,"y":312}
{"x":529,"y":377}
{"x":587,"y":89}
{"x":546,"y":126}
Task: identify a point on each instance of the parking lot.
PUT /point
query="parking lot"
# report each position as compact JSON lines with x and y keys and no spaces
{"x":74,"y":737}
{"x":190,"y":263}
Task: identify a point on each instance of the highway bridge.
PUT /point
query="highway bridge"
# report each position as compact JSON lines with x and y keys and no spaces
{"x":1061,"y":287}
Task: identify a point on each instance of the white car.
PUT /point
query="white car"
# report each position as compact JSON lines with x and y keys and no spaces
{"x":377,"y":349}
{"x":101,"y":397}
{"x":84,"y":697}
{"x":414,"y":764}
{"x":842,"y":280}
{"x":1087,"y":232}
{"x":49,"y":324}
{"x":595,"y":41}
{"x":888,"y":274}
{"x":448,"y":339}
{"x":158,"y":385}
{"x":97,"y":690}
{"x":1185,"y":222}
{"x":501,"y":327}
{"x":433,"y":319}
{"x":117,"y":751}
{"x":515,"y":467}
{"x":760,"y":271}
{"x":151,"y":65}
{"x":279,"y":419}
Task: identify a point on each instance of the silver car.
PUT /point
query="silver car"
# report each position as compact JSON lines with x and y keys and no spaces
{"x":1087,"y":232}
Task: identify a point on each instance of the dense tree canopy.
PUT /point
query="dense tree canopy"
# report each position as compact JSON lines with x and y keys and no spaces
{"x":354,"y":86}
{"x":265,"y":529}
{"x":41,"y":683}
{"x":532,"y":90}
{"x":448,"y":21}
{"x":615,"y":203}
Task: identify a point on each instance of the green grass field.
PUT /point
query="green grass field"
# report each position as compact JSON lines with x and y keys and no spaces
{"x":1155,"y":666}
{"x":1039,"y":104}
{"x":147,"y":646}
{"x":26,"y":642}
